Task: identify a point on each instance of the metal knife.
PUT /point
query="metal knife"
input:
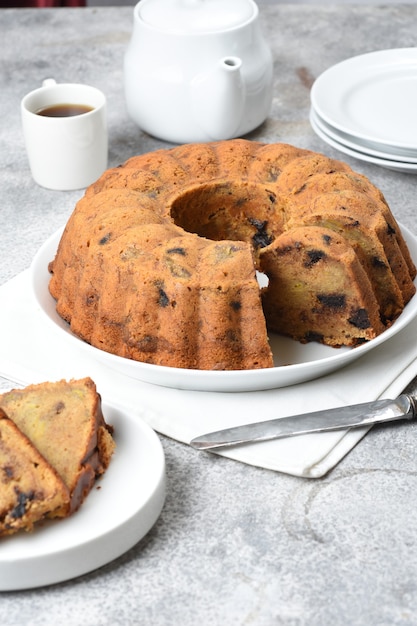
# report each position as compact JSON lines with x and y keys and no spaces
{"x":365,"y":414}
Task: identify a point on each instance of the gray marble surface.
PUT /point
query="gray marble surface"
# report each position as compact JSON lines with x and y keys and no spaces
{"x":234,"y":544}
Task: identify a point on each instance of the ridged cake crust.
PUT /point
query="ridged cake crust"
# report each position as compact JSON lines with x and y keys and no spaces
{"x":157,"y":262}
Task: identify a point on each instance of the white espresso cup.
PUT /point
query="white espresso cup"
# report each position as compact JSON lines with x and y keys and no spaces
{"x":65,"y":132}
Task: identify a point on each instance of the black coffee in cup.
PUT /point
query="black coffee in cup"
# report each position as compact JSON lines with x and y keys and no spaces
{"x":64,"y":110}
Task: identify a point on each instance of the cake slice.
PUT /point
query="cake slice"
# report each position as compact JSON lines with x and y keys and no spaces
{"x":64,"y":421}
{"x":30,"y":489}
{"x":318,"y":289}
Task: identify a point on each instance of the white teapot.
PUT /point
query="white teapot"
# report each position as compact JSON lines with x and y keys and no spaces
{"x":197,"y":70}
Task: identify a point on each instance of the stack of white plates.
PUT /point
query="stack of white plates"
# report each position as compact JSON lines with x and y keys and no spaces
{"x":366,"y":107}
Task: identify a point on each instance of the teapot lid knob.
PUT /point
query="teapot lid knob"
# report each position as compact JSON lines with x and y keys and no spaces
{"x":196,"y":16}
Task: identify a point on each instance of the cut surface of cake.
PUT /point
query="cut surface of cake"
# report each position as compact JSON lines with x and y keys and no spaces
{"x":319,"y":288}
{"x":63,"y":420}
{"x":30,"y":489}
{"x":158,"y":261}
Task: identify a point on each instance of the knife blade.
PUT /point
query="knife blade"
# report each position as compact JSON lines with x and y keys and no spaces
{"x":404,"y":407}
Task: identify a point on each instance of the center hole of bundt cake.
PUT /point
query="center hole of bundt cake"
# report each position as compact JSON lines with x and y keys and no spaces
{"x":227,"y":210}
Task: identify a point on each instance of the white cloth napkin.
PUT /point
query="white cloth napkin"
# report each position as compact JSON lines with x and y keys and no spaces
{"x":30,"y":351}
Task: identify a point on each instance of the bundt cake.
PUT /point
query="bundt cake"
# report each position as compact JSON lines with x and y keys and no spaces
{"x":158,"y":261}
{"x":64,"y":422}
{"x":30,"y":489}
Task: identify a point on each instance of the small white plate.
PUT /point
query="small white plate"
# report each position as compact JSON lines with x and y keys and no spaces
{"x":295,"y":362}
{"x":396,"y":166}
{"x":354,"y":145}
{"x":118,"y":512}
{"x":372,"y":97}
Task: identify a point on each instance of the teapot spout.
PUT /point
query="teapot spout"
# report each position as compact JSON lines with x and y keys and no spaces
{"x":218,"y":99}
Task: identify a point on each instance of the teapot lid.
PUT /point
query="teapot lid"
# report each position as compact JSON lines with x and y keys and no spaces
{"x":196,"y":16}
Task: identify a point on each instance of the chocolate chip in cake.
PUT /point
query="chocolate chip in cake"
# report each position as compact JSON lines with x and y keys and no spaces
{"x":312,"y":335}
{"x":332,"y":300}
{"x":178,"y":250}
{"x":163,"y":299}
{"x":104,"y":239}
{"x":377,"y":262}
{"x":353,"y":224}
{"x":314,"y":256}
{"x":22,"y":499}
{"x":261,"y":238}
{"x":360,"y":319}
